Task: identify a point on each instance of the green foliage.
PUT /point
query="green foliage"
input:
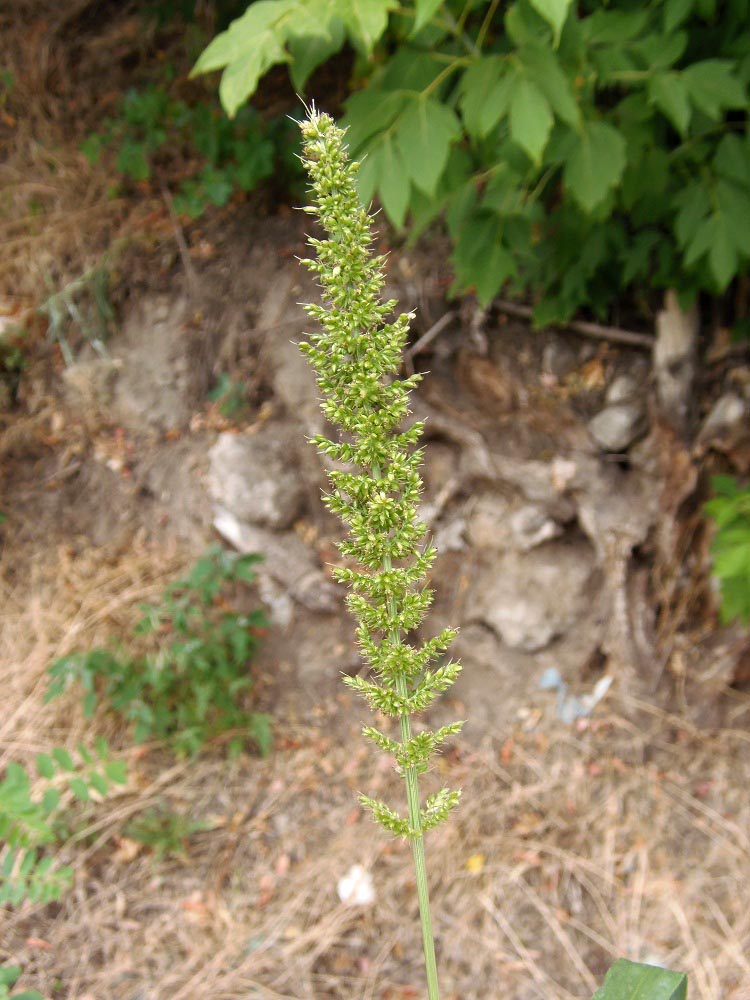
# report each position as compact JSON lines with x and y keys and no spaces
{"x":635,"y":981}
{"x":356,"y":358}
{"x":12,"y":363}
{"x":575,"y":151}
{"x":8,"y":976}
{"x":31,"y":821}
{"x":151,"y":126}
{"x":186,"y":688}
{"x":730,"y":511}
{"x":230,"y":396}
{"x":164,"y":831}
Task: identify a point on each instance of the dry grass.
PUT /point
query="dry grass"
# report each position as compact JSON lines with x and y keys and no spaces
{"x":626,"y":837}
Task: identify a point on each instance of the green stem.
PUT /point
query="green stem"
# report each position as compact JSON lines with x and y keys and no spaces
{"x":420,"y":870}
{"x":415,"y":822}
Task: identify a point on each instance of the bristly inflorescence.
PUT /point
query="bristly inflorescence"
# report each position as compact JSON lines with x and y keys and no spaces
{"x":375,"y":491}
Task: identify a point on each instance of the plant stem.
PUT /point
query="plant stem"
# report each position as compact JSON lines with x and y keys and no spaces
{"x":415,"y":823}
{"x":420,"y":870}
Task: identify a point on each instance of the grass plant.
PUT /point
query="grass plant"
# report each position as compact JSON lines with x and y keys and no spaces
{"x":375,"y":490}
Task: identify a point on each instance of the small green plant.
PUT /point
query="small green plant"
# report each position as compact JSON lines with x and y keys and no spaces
{"x":151,"y":126}
{"x":31,"y":822}
{"x":9,"y":974}
{"x":165,"y":832}
{"x":12,"y":364}
{"x":186,"y":688}
{"x":730,"y":512}
{"x":230,"y":396}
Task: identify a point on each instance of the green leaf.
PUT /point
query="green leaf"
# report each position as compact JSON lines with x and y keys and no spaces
{"x":45,"y":765}
{"x":554,"y":12}
{"x":369,"y":113}
{"x":132,"y":160}
{"x":99,"y":783}
{"x":669,"y":92}
{"x":722,"y":254}
{"x":595,"y":165}
{"x":64,"y":759}
{"x":713,"y":87}
{"x":424,"y":10}
{"x":693,"y":203}
{"x":309,"y":52}
{"x":542,"y":66}
{"x":50,"y":800}
{"x":485,"y":93}
{"x":424,"y":136}
{"x":480,"y":258}
{"x":733,"y":204}
{"x":614,"y":27}
{"x":252,"y":44}
{"x":80,"y":789}
{"x":530,"y":118}
{"x":91,"y":147}
{"x":676,"y":12}
{"x":240,"y":79}
{"x":634,"y":981}
{"x":732,"y":159}
{"x":367,"y":21}
{"x":393,"y":183}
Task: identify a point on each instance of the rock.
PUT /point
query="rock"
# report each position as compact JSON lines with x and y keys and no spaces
{"x":487,"y":526}
{"x":545,"y":484}
{"x":288,"y":561}
{"x":492,"y":684}
{"x":450,"y":536}
{"x":249,"y":477}
{"x":157,"y":377}
{"x":528,"y":599}
{"x":284,"y":321}
{"x":674,"y":359}
{"x":728,"y":412}
{"x":495,"y":523}
{"x":530,"y":525}
{"x":616,"y":427}
{"x":623,"y":389}
{"x":559,"y":358}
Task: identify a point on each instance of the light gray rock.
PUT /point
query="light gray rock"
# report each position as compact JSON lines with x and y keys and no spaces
{"x":250,"y":477}
{"x":528,"y":599}
{"x":616,"y":427}
{"x":623,"y":389}
{"x":497,"y":523}
{"x":559,"y":358}
{"x":488,"y":523}
{"x":284,"y":322}
{"x":288,"y":563}
{"x":530,"y":526}
{"x":156,"y":378}
{"x":728,"y":412}
{"x":494,"y":682}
